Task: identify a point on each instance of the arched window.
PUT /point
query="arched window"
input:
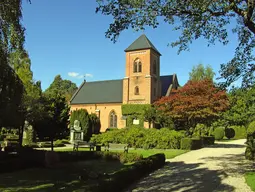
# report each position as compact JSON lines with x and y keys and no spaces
{"x":154,"y":67}
{"x":136,"y":90}
{"x":137,"y":66}
{"x":113,"y":119}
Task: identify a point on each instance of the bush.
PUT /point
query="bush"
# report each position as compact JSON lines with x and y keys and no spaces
{"x":142,"y":138}
{"x":219,"y":133}
{"x":251,"y":128}
{"x":250,"y":149}
{"x":240,"y":132}
{"x":2,"y":137}
{"x":126,"y":176}
{"x":229,"y":133}
{"x":208,"y":140}
{"x":130,"y":157}
{"x":191,"y":143}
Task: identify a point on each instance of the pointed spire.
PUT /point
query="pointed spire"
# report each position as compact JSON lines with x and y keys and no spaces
{"x":142,"y":43}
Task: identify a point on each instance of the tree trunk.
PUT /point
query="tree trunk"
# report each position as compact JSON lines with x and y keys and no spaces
{"x":52,"y":145}
{"x":149,"y":124}
{"x":21,"y":129}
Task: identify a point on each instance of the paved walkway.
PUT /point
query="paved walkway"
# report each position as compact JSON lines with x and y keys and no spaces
{"x":217,"y":168}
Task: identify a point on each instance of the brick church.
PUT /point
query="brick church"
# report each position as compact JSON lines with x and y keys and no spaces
{"x":142,"y":84}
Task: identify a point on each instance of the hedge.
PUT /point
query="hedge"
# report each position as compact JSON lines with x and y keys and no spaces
{"x":208,"y":140}
{"x":142,"y":138}
{"x":191,"y":143}
{"x":219,"y":133}
{"x":126,"y":176}
{"x":240,"y":132}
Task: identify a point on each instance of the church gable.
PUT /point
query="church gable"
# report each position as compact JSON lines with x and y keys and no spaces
{"x":99,"y":92}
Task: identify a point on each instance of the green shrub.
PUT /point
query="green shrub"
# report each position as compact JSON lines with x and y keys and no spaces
{"x":130,"y":157}
{"x":208,"y":140}
{"x":126,"y":176}
{"x":142,"y":138}
{"x":200,"y":130}
{"x":2,"y":137}
{"x":219,"y":133}
{"x":85,"y":123}
{"x":240,"y":132}
{"x":250,"y":149}
{"x":251,"y":128}
{"x":191,"y":143}
{"x":229,"y":133}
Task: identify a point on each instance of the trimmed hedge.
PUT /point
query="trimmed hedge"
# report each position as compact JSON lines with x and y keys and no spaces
{"x":126,"y":176}
{"x":142,"y":138}
{"x":219,"y":133}
{"x":208,"y":140}
{"x":191,"y":143}
{"x":240,"y":132}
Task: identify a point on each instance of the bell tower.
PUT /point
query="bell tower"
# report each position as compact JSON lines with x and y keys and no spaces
{"x":141,"y":84}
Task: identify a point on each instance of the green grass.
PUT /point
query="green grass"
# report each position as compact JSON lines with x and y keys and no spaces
{"x":250,"y":180}
{"x":65,"y":177}
{"x":169,"y":153}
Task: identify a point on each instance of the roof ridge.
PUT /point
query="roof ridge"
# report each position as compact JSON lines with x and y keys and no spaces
{"x":103,"y":80}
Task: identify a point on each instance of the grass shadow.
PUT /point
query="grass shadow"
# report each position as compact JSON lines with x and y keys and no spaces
{"x":185,"y":177}
{"x":67,"y":177}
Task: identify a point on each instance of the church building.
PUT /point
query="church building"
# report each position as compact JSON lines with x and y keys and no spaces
{"x":142,"y":84}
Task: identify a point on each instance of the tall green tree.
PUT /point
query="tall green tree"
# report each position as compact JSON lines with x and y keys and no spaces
{"x":194,"y":19}
{"x":64,"y":87}
{"x":199,"y":72}
{"x":150,"y":115}
{"x":54,"y":118}
{"x":242,"y":107}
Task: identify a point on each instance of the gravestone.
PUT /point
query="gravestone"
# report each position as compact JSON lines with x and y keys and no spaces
{"x":76,"y":132}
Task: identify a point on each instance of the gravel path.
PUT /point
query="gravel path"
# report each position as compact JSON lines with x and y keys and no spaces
{"x":217,"y":168}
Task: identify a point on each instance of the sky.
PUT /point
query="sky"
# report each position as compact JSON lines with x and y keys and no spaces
{"x":68,"y":38}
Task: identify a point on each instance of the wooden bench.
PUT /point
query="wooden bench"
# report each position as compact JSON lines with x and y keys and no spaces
{"x":83,"y":144}
{"x":116,"y":146}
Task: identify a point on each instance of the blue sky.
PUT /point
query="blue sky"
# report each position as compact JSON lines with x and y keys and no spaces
{"x":68,"y":38}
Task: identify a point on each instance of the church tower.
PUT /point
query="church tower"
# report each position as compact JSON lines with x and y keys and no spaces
{"x":141,"y":84}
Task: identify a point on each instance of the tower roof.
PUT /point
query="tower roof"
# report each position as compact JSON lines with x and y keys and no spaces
{"x":140,"y":43}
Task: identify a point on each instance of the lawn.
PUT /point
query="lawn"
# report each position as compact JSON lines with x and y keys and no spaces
{"x":169,"y":153}
{"x":64,"y":178}
{"x":250,"y":180}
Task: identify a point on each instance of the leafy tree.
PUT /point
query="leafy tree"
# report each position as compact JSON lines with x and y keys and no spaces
{"x":194,"y":19}
{"x":64,"y":87}
{"x":200,"y":72}
{"x":242,"y":107}
{"x":21,"y":64}
{"x":11,"y":39}
{"x":54,"y":118}
{"x":95,"y":123}
{"x":150,"y":115}
{"x":196,"y":102}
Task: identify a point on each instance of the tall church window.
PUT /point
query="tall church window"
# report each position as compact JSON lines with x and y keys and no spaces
{"x":113,"y":119}
{"x":137,"y":66}
{"x":136,"y":90}
{"x":154,"y":67}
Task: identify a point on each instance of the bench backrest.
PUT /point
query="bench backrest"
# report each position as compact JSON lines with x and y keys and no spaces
{"x":114,"y":145}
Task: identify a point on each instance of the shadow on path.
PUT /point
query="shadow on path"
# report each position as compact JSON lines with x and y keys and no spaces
{"x":226,"y":145}
{"x":178,"y":176}
{"x":234,"y":164}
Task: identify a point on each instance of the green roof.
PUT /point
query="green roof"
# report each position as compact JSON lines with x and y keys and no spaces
{"x":99,"y":92}
{"x":141,"y":43}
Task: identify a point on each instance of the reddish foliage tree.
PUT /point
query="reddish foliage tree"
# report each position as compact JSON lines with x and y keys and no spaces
{"x":196,"y":102}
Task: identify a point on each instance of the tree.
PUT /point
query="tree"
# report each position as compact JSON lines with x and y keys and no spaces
{"x":64,"y":87}
{"x":242,"y":107}
{"x":21,"y":63}
{"x":54,"y":118}
{"x":200,"y":72}
{"x":150,"y":115}
{"x":196,"y":102}
{"x":95,"y":123}
{"x":194,"y":19}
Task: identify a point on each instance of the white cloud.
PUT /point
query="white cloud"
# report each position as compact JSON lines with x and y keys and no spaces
{"x":88,"y":75}
{"x":78,"y":75}
{"x":73,"y":74}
